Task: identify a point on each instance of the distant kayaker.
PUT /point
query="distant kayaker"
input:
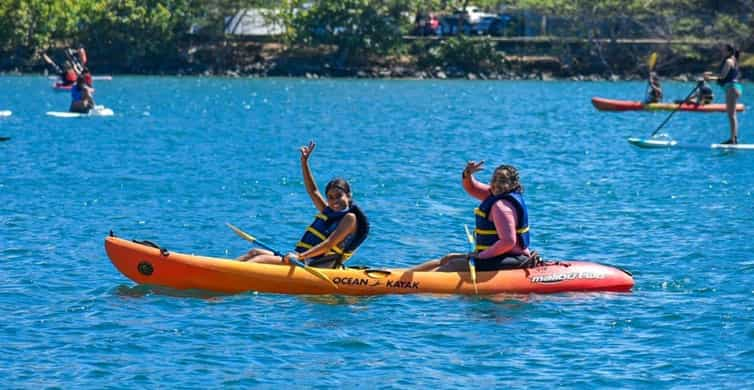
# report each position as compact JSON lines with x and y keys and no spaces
{"x":338,"y":229}
{"x":81,"y":97}
{"x":728,"y":79}
{"x":502,"y":224}
{"x":703,"y":94}
{"x":654,"y":90}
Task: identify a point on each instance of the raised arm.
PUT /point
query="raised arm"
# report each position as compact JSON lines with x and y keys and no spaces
{"x":476,"y":189}
{"x":311,"y":186}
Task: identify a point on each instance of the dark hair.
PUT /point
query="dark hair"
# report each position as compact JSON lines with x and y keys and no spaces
{"x":507,"y":177}
{"x":362,"y":222}
{"x":732,"y":51}
{"x":341,"y":184}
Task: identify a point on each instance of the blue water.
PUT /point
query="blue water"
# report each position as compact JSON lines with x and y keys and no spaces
{"x":182,"y":156}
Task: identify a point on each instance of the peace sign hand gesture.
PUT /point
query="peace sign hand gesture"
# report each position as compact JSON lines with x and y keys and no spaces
{"x":472,"y":167}
{"x":307,"y":150}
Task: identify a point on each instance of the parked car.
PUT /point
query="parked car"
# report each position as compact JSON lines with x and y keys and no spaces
{"x":450,"y":25}
{"x":472,"y":14}
{"x":493,"y":25}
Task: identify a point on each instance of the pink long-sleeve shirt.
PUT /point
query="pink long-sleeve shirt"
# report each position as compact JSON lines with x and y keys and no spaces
{"x":503,"y":215}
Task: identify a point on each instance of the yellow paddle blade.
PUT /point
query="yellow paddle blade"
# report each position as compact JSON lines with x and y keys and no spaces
{"x":472,"y":266}
{"x":313,"y":271}
{"x":652,"y":60}
{"x":243,"y":234}
{"x":472,"y":271}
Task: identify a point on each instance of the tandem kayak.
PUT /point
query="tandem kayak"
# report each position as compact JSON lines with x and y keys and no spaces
{"x":628,"y":105}
{"x":146,"y":263}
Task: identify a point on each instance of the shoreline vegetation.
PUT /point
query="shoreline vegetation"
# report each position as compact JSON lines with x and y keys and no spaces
{"x":540,"y":40}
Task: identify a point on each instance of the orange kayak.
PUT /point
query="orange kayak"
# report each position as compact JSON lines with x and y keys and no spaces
{"x":629,"y":105}
{"x":150,"y":265}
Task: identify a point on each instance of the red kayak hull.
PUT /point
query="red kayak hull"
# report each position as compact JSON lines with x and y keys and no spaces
{"x":629,"y":105}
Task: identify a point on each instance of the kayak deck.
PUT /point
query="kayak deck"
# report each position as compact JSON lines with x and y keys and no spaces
{"x":602,"y":104}
{"x":148,"y":265}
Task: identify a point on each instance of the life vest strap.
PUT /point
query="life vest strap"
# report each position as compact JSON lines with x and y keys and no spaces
{"x":316,"y":233}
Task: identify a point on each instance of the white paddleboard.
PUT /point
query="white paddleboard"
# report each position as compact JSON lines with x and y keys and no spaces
{"x":6,"y":113}
{"x":660,"y":143}
{"x":96,"y":111}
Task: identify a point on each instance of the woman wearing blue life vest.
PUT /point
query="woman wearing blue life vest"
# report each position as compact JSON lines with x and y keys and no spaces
{"x":338,"y":229}
{"x":728,"y":79}
{"x":81,"y":97}
{"x":502,"y":225}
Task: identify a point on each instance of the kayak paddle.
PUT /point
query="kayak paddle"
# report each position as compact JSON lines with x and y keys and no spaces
{"x":294,"y":261}
{"x":651,"y":61}
{"x":472,"y":263}
{"x":674,"y":111}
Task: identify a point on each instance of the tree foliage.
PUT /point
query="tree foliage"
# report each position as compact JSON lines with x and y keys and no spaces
{"x":154,"y":35}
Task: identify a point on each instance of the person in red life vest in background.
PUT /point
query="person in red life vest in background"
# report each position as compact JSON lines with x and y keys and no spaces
{"x":69,"y":75}
{"x":502,"y":225}
{"x":338,"y":229}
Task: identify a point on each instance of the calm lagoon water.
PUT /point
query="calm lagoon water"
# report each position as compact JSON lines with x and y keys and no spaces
{"x":182,"y":156}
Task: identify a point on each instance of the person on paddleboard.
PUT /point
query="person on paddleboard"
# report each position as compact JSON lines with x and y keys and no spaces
{"x":654,"y":90}
{"x":502,"y":225}
{"x":81,"y":97}
{"x":338,"y":229}
{"x":728,"y":79}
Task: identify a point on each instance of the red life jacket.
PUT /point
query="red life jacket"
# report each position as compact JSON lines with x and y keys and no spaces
{"x":70,"y":76}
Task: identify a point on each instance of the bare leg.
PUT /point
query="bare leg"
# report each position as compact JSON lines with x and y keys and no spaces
{"x":268,"y":259}
{"x":455,"y":264}
{"x":254,"y":253}
{"x":731,"y":98}
{"x":436,"y":264}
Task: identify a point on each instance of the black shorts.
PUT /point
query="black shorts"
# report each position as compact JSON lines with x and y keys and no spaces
{"x":331,"y":261}
{"x":502,"y":262}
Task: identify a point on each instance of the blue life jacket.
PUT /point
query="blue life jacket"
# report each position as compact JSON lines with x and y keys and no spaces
{"x":731,"y":77}
{"x":485,"y":232}
{"x":76,"y":94}
{"x":323,"y":226}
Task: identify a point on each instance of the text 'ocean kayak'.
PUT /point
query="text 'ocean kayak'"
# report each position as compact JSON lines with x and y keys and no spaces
{"x":628,"y":105}
{"x":149,"y":265}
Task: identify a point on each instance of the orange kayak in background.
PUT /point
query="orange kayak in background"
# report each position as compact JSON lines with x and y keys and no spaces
{"x":147,"y":264}
{"x":629,"y":105}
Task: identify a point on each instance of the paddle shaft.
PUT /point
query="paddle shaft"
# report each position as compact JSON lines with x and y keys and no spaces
{"x":292,"y":260}
{"x":674,"y":111}
{"x":472,"y":263}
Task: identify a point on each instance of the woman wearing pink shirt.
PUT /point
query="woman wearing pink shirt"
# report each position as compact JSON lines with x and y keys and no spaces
{"x":502,"y":224}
